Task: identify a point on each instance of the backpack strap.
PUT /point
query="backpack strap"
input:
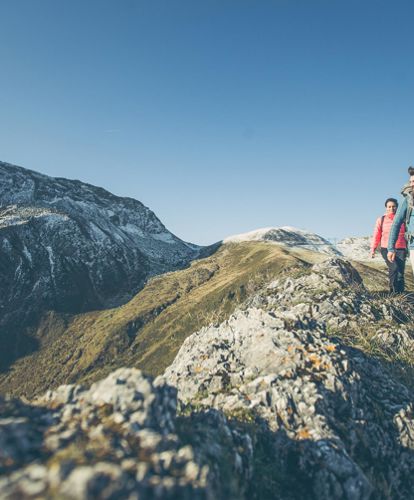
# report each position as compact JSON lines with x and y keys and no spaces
{"x":382,"y":222}
{"x":409,"y":209}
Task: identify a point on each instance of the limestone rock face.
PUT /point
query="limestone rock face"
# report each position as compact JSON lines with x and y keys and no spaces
{"x":331,"y":410}
{"x":119,"y":439}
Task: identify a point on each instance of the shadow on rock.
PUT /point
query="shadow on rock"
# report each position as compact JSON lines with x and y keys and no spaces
{"x":15,"y":342}
{"x":122,"y":439}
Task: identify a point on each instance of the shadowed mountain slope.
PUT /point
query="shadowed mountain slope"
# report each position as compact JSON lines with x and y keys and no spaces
{"x":72,"y":247}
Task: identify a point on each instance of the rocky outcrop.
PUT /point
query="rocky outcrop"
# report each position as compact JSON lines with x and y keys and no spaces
{"x":70,"y":247}
{"x":339,"y":425}
{"x":119,"y":439}
{"x":273,"y":403}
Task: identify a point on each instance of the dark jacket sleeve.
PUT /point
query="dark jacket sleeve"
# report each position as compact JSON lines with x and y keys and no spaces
{"x":399,"y":219}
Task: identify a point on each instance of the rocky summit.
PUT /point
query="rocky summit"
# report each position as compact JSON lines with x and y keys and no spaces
{"x":305,"y":392}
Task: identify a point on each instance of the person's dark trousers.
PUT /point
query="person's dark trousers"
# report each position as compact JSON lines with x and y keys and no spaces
{"x":396,"y":269}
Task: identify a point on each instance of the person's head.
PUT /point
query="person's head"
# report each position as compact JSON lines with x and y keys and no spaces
{"x":391,"y":205}
{"x":411,"y":174}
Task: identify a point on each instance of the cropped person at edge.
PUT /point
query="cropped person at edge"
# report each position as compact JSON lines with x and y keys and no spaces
{"x":404,"y":209}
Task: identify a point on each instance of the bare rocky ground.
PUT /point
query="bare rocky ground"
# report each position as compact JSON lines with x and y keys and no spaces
{"x":276,"y":402}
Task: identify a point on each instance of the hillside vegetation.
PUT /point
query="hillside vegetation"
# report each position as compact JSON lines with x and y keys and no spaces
{"x":148,"y":331}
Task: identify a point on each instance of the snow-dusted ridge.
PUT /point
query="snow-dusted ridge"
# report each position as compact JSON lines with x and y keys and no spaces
{"x":358,"y":248}
{"x":289,"y":236}
{"x":68,"y":245}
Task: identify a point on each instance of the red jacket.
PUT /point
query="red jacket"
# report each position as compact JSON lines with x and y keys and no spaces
{"x":381,"y":236}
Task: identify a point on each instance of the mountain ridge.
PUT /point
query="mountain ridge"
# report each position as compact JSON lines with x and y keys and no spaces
{"x":294,"y":396}
{"x":288,"y":236}
{"x":281,"y":371}
{"x":69,"y":250}
{"x":69,"y":246}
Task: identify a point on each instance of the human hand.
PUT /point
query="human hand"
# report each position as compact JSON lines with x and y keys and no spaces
{"x":391,"y":256}
{"x":372,"y":254}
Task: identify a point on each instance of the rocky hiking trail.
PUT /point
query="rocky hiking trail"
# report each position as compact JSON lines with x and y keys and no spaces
{"x":304,"y":392}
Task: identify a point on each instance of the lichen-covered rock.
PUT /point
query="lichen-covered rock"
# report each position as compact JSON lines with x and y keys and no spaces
{"x":118,"y":439}
{"x":337,"y":415}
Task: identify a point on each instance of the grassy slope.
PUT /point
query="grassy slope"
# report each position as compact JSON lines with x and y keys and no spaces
{"x":375,"y":275}
{"x":148,"y":331}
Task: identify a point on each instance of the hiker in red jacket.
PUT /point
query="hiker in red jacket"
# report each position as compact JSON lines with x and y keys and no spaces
{"x":380,"y":237}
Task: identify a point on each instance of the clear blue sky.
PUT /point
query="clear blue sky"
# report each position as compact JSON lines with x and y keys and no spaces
{"x":222,"y":116}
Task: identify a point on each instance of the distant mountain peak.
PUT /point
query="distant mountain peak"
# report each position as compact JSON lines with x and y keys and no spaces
{"x":358,"y":248}
{"x":289,"y":236}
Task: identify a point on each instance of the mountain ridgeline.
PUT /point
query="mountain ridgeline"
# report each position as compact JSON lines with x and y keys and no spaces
{"x":78,"y":269}
{"x":70,"y":247}
{"x":135,"y":365}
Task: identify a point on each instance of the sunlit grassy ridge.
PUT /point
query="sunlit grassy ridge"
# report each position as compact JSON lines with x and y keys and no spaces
{"x":148,"y":331}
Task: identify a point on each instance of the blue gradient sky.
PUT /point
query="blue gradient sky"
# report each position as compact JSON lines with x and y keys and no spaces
{"x":222,"y":116}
